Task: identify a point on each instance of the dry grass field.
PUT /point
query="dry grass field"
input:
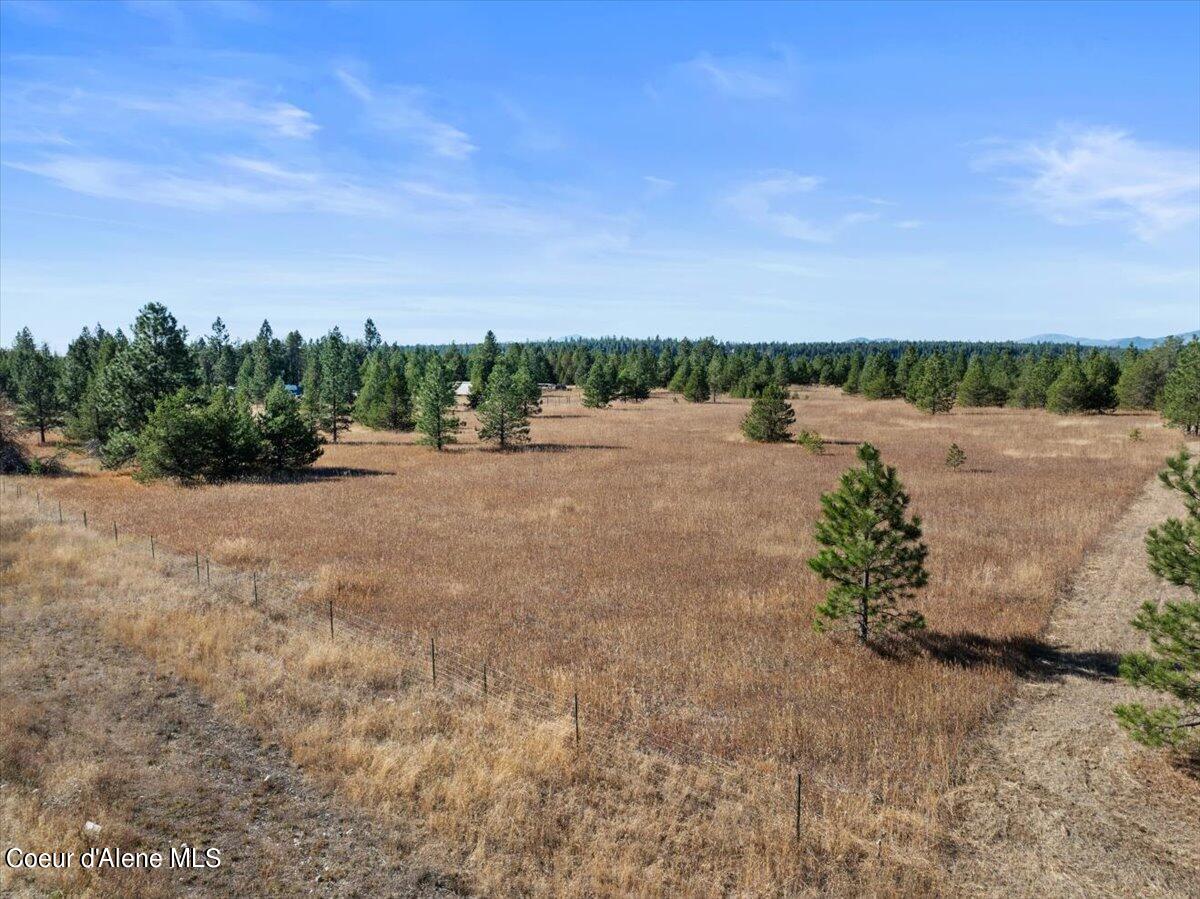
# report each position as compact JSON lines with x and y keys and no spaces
{"x":648,"y":556}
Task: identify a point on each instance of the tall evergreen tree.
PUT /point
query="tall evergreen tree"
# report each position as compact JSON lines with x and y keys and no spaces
{"x":934,"y":390}
{"x":435,"y":406}
{"x":1181,"y":392}
{"x":1172,"y":664}
{"x":696,"y":390}
{"x":598,"y":389}
{"x":289,"y":441}
{"x":1069,"y":393}
{"x":156,"y":363}
{"x":770,"y":417}
{"x":1101,"y":372}
{"x":371,"y":338}
{"x":502,"y":417}
{"x":527,"y":386}
{"x":39,"y":399}
{"x":873,"y":553}
{"x":878,"y":378}
{"x":483,"y":360}
{"x":975,"y":389}
{"x":384,"y":401}
{"x":337,"y":384}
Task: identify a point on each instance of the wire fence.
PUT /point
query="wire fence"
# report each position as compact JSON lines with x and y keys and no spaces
{"x":283,"y":599}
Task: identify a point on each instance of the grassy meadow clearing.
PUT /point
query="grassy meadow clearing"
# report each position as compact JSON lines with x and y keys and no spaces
{"x":648,"y":556}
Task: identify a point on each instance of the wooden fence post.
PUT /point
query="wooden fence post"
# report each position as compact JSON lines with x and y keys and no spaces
{"x":799,"y":802}
{"x":433,"y":658}
{"x":85,"y":518}
{"x":485,"y":692}
{"x":331,"y":618}
{"x":254,"y":584}
{"x":207,"y":571}
{"x":60,"y":518}
{"x":151,"y":546}
{"x":197,"y":568}
{"x":114,"y":532}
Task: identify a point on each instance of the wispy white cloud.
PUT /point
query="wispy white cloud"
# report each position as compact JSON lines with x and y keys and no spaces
{"x":1088,"y":175}
{"x":656,"y":187}
{"x":217,"y":104}
{"x":400,"y":110}
{"x":250,"y":185}
{"x":743,"y":78}
{"x":759,"y":202}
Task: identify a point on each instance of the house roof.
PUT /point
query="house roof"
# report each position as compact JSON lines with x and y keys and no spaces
{"x":463,"y":389}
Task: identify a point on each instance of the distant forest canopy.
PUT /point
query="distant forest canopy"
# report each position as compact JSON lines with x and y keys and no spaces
{"x":107,"y":385}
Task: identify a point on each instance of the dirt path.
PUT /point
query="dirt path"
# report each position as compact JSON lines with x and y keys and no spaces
{"x":93,"y":731}
{"x":1059,"y":801}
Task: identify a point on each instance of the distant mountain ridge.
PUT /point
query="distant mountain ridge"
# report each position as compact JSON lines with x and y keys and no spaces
{"x":1141,"y":343}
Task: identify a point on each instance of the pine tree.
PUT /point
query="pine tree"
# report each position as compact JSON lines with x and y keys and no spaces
{"x":483,"y":360}
{"x":232,"y":441}
{"x":502,"y":417}
{"x":934,"y":390}
{"x":955,"y":457}
{"x":1101,"y":372}
{"x":598,"y":388}
{"x":878,"y":378}
{"x":873,"y":553}
{"x":975,"y":389}
{"x":435,"y":406}
{"x":155,"y":364}
{"x":289,"y":441}
{"x":1033,"y":382}
{"x":371,"y":338}
{"x":39,"y":400}
{"x":384,"y":402}
{"x":528,"y":388}
{"x":1181,"y":393}
{"x":1172,"y":664}
{"x":1069,"y":392}
{"x":337,"y":384}
{"x":696,"y":389}
{"x":770,"y":417}
{"x":853,"y":376}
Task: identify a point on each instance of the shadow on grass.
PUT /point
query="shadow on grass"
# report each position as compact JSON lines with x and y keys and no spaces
{"x":564,"y":447}
{"x":332,"y":473}
{"x":1029,"y":657}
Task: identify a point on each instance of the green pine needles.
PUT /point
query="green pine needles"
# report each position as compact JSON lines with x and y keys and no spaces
{"x":1172,"y":664}
{"x":873,"y":555}
{"x":770,"y":417}
{"x":503,"y":418}
{"x":435,"y":407}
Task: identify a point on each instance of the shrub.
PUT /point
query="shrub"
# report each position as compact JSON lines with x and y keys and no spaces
{"x":811,"y":441}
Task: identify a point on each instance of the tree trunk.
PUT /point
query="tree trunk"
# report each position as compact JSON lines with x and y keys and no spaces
{"x":862,"y":608}
{"x":42,"y":432}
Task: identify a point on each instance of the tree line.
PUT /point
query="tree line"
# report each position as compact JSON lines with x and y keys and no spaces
{"x":104,"y":392}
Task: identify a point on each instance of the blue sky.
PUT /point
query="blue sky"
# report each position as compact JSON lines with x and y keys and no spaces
{"x":817,"y":171}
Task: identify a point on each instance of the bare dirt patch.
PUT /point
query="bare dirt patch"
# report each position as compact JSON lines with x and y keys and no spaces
{"x":1059,"y":801}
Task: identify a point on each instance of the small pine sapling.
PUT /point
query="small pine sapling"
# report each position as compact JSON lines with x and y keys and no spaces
{"x":955,"y":457}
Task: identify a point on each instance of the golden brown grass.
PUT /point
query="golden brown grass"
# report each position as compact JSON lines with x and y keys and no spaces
{"x":475,"y":786}
{"x":650,"y":556}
